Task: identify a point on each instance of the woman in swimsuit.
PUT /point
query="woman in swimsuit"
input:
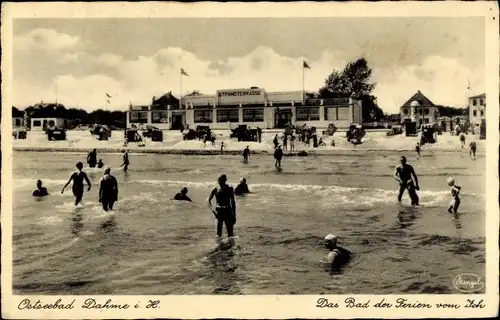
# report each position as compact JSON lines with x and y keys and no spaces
{"x":225,"y":210}
{"x":78,"y":177}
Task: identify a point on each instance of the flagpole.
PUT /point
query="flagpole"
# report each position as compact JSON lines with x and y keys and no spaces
{"x":180,"y":90}
{"x":303,"y":80}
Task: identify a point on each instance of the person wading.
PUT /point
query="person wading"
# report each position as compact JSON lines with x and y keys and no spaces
{"x":225,"y":209}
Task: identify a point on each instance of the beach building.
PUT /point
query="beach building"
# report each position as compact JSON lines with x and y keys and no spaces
{"x":253,"y":106}
{"x":477,"y":109}
{"x":43,"y":115}
{"x":17,"y":119}
{"x":419,"y":109}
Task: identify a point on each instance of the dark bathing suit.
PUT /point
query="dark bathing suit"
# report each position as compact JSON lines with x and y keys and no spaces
{"x":405,"y":176}
{"x":78,"y":178}
{"x":92,"y":159}
{"x":125,"y":162}
{"x":224,"y":210}
{"x":181,"y":197}
{"x":109,"y":192}
{"x":40,"y":192}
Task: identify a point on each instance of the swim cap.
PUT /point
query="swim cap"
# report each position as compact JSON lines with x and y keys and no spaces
{"x":450,"y":180}
{"x":330,"y":237}
{"x":223,"y":178}
{"x":107,"y":170}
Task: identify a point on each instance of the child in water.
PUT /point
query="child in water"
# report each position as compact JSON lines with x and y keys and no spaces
{"x":455,"y":190}
{"x":417,"y":149}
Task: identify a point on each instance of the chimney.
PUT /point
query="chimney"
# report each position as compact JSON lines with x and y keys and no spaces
{"x":153,"y":100}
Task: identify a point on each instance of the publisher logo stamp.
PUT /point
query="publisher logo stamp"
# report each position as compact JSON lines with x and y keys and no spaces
{"x":468,"y":282}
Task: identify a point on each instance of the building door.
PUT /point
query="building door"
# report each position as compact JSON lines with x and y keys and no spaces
{"x":177,"y":122}
{"x":282,"y":117}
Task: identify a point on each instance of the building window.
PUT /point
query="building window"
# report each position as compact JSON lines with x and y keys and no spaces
{"x":307,"y":113}
{"x":227,"y":115}
{"x":159,"y":116}
{"x":482,"y":113}
{"x":474,"y":113}
{"x":481,"y":102}
{"x":426,"y":120}
{"x":405,"y":111}
{"x":18,"y":122}
{"x":426,"y":110}
{"x":203,"y":116}
{"x":253,"y":114}
{"x":474,"y":102}
{"x":139,"y":116}
{"x":37,"y":123}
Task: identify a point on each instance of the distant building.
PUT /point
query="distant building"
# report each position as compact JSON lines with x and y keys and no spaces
{"x":477,"y":109}
{"x":419,"y":109}
{"x":17,"y":119}
{"x":43,"y":115}
{"x":253,"y":107}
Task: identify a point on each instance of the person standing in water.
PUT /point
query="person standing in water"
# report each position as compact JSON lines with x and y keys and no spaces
{"x":455,"y":201}
{"x":40,"y":191}
{"x":78,"y":177}
{"x":404,"y":174}
{"x":125,"y":161}
{"x":278,"y":155}
{"x":225,"y":210}
{"x":108,"y":190}
{"x":246,"y":154}
{"x":473,"y":148}
{"x":92,"y":158}
{"x":100,"y":164}
{"x":338,"y":256}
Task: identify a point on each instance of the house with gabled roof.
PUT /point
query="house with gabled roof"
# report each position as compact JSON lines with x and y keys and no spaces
{"x":419,"y":109}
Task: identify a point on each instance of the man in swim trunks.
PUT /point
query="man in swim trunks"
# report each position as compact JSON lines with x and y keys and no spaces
{"x":40,"y":191}
{"x":403,"y":175}
{"x":473,"y":148}
{"x":92,"y":158}
{"x":182,"y":196}
{"x":278,"y":155}
{"x":338,"y":256}
{"x":108,"y":190}
{"x":225,"y":210}
{"x":125,"y":161}
{"x":246,"y":154}
{"x":78,"y":177}
{"x":455,"y":201}
{"x":242,"y":188}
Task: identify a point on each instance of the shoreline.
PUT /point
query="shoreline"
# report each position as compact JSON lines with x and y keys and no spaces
{"x":201,"y":152}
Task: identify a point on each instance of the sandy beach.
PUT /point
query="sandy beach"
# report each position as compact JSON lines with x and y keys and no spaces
{"x":82,"y":141}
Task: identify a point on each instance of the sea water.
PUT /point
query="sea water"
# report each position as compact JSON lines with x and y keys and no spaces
{"x":153,"y":245}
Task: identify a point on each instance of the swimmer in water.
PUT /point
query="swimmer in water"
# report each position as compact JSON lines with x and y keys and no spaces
{"x":100,"y":164}
{"x":417,"y":149}
{"x":225,"y":210}
{"x":125,"y":161}
{"x":338,"y":256}
{"x":455,"y":190}
{"x":473,"y":148}
{"x":182,"y":196}
{"x":404,"y":174}
{"x":92,"y":158}
{"x":108,"y":190}
{"x":40,"y":191}
{"x":242,"y":188}
{"x":246,"y":154}
{"x":278,"y":155}
{"x":78,"y":177}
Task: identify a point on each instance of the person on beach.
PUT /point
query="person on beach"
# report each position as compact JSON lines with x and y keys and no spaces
{"x":100,"y":164}
{"x":92,"y":158}
{"x":278,"y":155}
{"x":275,"y":141}
{"x":222,"y":147}
{"x":108,"y":190}
{"x":182,"y":196}
{"x":455,"y":201}
{"x":473,"y":148}
{"x":292,"y":142}
{"x":225,"y":209}
{"x":285,"y":141}
{"x":246,"y":154}
{"x":338,"y":256}
{"x":462,"y":139}
{"x":40,"y":191}
{"x":78,"y":177}
{"x":404,"y":174}
{"x":126,"y":162}
{"x":242,"y":188}
{"x":417,"y":149}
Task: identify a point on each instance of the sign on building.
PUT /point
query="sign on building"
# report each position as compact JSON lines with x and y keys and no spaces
{"x":236,"y":96}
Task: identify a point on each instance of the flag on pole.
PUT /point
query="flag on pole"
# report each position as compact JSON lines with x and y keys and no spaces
{"x":183,"y":73}
{"x":305,"y":65}
{"x":108,"y":101}
{"x":107,"y":94}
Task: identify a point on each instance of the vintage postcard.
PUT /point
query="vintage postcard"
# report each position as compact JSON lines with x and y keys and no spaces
{"x":250,"y":160}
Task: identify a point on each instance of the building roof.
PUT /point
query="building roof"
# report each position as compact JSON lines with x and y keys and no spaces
{"x":482,"y":95}
{"x":47,"y":110}
{"x":16,"y":113}
{"x":422,"y":100}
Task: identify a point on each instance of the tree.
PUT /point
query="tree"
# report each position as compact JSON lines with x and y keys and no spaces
{"x":354,"y":82}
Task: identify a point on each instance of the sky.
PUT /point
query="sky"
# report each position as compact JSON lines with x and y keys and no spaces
{"x":78,"y":61}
